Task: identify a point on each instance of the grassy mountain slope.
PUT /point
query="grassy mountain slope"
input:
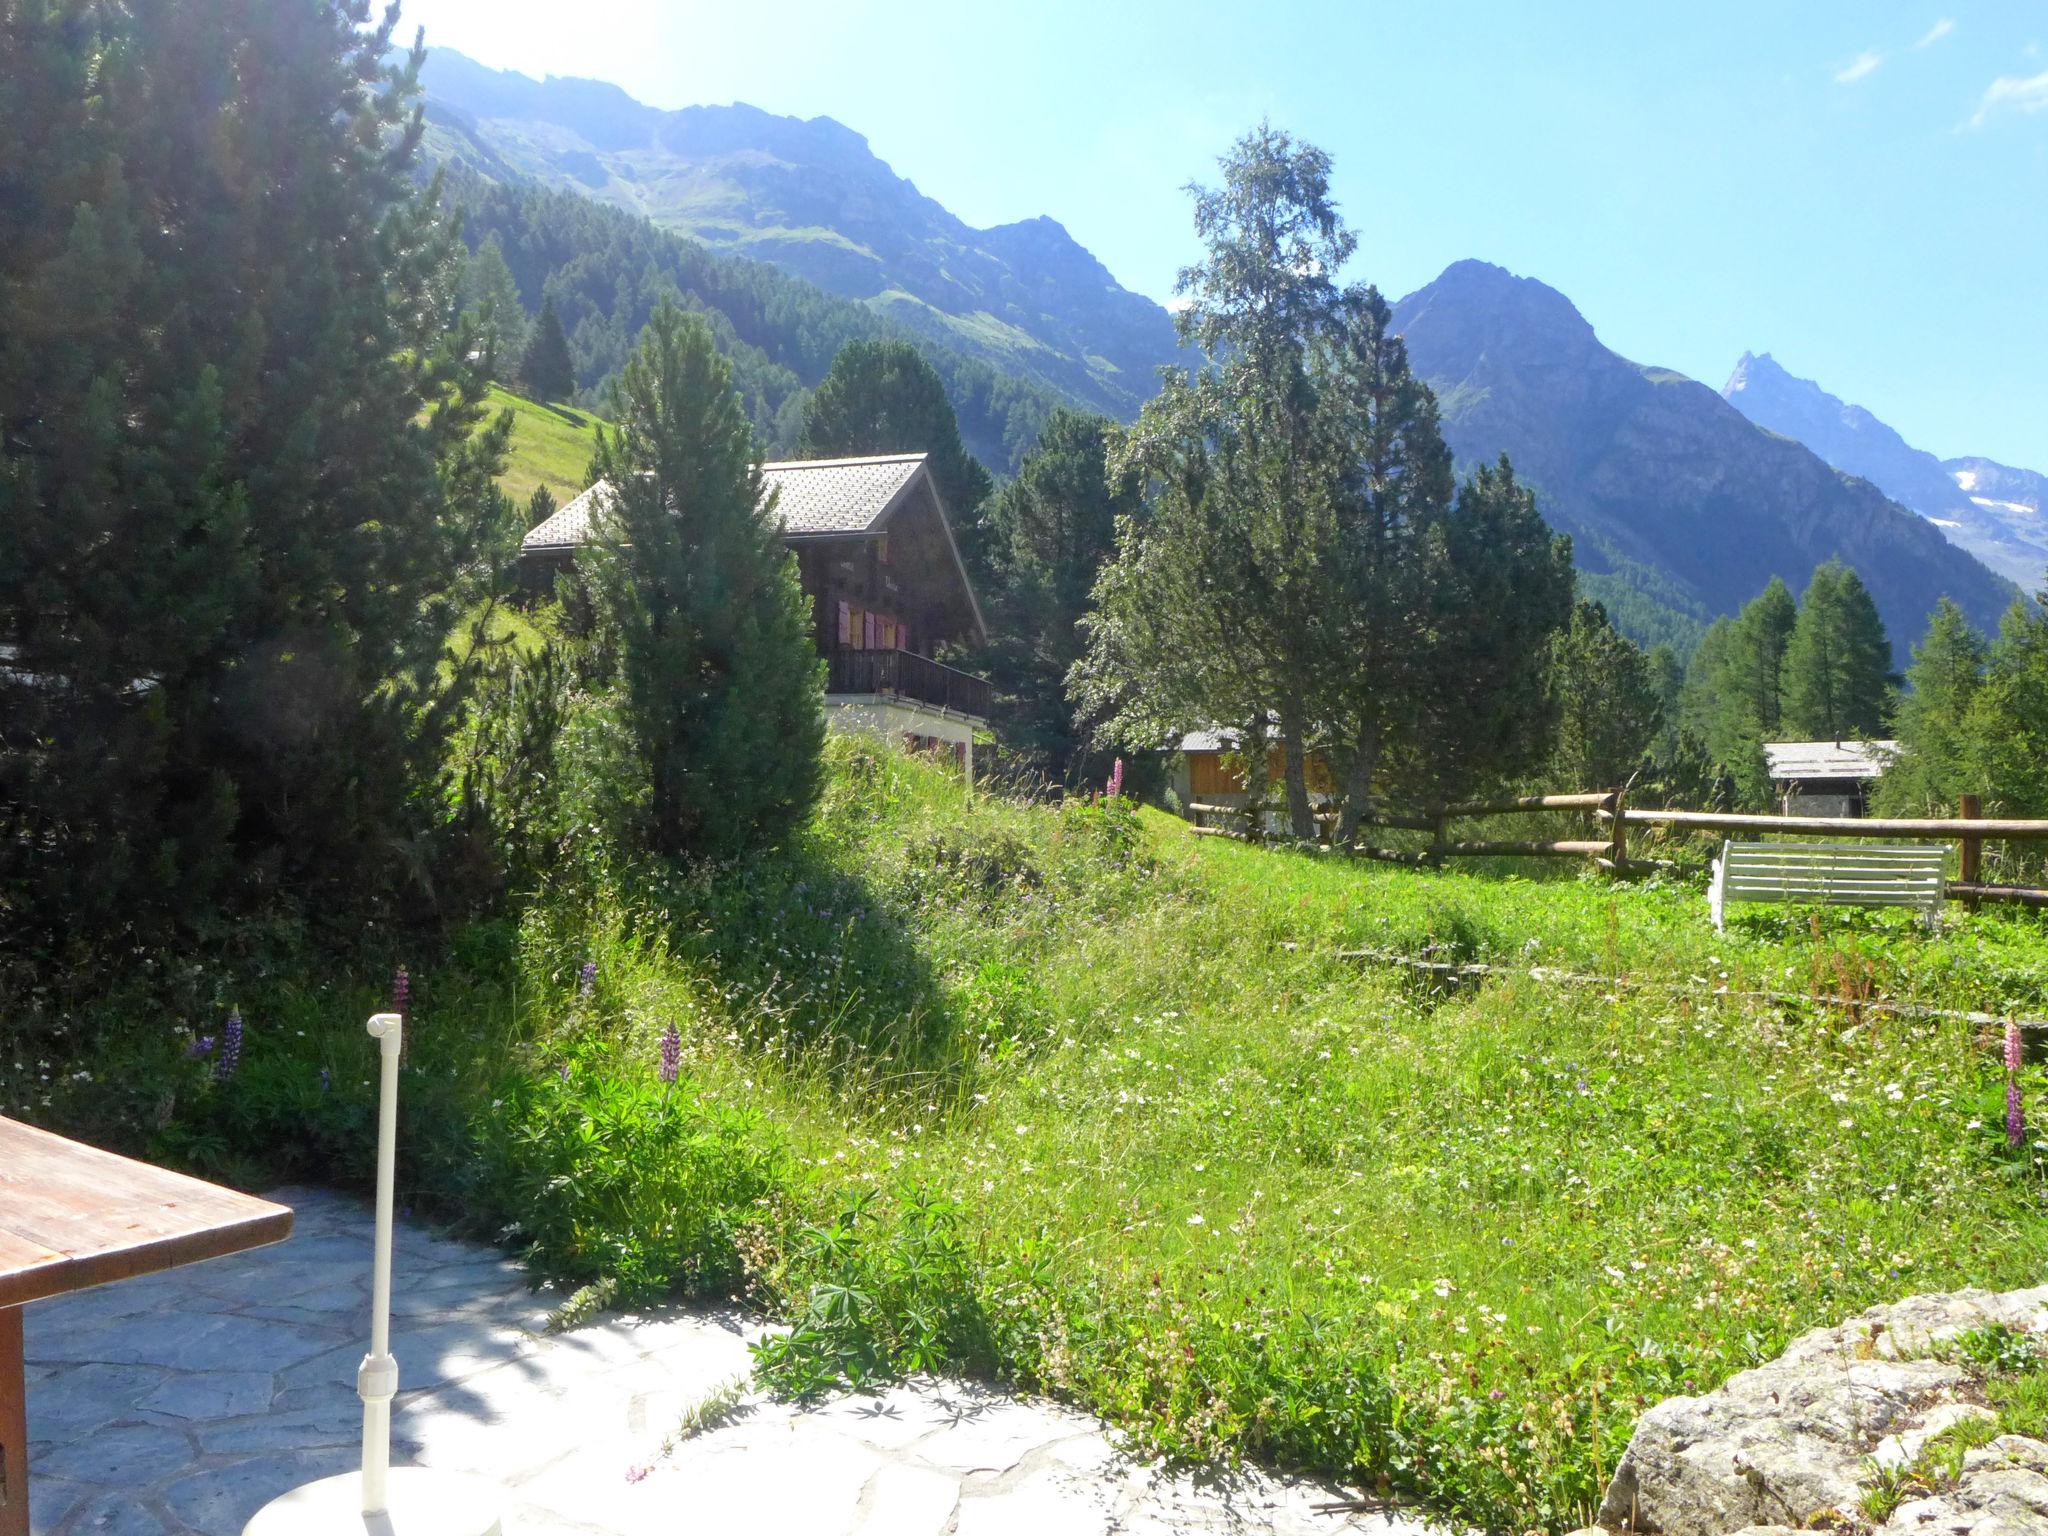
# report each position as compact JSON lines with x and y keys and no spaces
{"x":1650,"y":470}
{"x":551,"y":446}
{"x":810,"y":197}
{"x":1993,"y":516}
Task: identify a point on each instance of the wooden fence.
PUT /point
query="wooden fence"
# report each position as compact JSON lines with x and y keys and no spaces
{"x":1612,"y":816}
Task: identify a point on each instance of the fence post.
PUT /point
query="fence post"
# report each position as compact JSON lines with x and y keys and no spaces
{"x":1617,"y":833}
{"x":1969,"y":808}
{"x":1441,"y":836}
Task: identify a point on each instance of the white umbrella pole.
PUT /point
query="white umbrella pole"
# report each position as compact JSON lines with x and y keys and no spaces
{"x":379,"y":1501}
{"x":377,"y":1377}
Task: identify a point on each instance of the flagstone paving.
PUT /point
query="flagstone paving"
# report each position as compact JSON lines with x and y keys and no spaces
{"x":182,"y":1403}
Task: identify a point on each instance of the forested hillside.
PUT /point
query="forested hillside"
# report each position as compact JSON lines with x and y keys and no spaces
{"x":606,"y":269}
{"x":811,"y":197}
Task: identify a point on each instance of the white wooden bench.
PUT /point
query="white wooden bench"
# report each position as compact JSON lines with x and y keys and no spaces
{"x":1831,"y":875}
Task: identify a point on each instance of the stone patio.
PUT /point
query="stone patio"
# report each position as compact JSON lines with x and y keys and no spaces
{"x":181,"y":1403}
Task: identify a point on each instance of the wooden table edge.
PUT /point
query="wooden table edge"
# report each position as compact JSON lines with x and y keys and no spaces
{"x":63,"y":1275}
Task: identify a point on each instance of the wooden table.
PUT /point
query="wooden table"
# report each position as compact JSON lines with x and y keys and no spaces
{"x":72,"y":1216}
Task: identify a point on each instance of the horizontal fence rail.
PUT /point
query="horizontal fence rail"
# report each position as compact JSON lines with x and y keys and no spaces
{"x":1611,"y":812}
{"x":905,"y":674}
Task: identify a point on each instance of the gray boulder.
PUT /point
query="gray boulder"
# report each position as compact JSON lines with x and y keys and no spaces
{"x":1804,"y":1435}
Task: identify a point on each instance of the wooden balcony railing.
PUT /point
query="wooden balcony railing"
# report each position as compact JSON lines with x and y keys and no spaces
{"x":909,"y":676}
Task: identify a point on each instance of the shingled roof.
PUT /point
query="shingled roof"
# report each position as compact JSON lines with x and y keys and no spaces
{"x":818,"y":498}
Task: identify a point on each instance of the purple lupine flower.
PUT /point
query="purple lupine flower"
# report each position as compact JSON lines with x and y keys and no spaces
{"x":586,"y":982}
{"x":230,"y":1049}
{"x":323,"y":1080}
{"x":203,"y":1046}
{"x":671,"y":1055}
{"x":2015,"y":1114}
{"x":1116,"y":779}
{"x":401,"y":995}
{"x":2012,"y":1047}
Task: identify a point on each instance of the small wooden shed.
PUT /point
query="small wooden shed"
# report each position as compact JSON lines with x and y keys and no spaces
{"x":1826,"y":778}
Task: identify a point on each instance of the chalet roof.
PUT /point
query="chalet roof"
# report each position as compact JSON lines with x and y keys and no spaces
{"x":818,"y":498}
{"x":1797,"y":761}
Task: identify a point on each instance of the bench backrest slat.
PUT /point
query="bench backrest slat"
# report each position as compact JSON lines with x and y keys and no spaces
{"x":1831,"y":874}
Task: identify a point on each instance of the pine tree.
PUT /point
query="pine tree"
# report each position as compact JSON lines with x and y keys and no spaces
{"x":1605,"y":694}
{"x":1838,"y":663}
{"x":239,"y":470}
{"x":1936,"y":753}
{"x":1667,"y":679}
{"x":883,"y":397}
{"x":719,"y":684}
{"x":1052,"y":528}
{"x":1503,"y":590}
{"x":547,"y":371}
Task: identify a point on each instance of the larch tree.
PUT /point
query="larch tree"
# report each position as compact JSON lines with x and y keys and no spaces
{"x":1837,"y":669}
{"x":2007,"y":722}
{"x":490,"y":302}
{"x":1931,"y":719}
{"x":700,"y":607}
{"x":240,"y":470}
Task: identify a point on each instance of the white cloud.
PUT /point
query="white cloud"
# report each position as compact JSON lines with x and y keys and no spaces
{"x":1936,"y":33}
{"x":2020,"y":94}
{"x":1861,"y":67}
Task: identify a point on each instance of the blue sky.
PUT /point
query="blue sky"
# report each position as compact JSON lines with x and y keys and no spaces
{"x":1860,"y":189}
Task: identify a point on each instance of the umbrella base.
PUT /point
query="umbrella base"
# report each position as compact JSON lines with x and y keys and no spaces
{"x":419,"y":1503}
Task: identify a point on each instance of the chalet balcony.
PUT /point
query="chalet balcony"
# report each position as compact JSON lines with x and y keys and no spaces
{"x":906,"y":675}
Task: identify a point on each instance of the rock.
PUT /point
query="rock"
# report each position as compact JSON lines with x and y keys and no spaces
{"x":1797,"y":1438}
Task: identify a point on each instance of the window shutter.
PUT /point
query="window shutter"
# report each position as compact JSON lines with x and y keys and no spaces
{"x":845,"y":625}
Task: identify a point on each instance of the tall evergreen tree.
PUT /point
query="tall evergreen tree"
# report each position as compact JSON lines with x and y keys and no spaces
{"x":883,"y":397}
{"x":547,"y":371}
{"x":1931,"y":719}
{"x":1503,"y":590}
{"x":1605,"y":693}
{"x":2007,"y":722}
{"x":1667,"y":680}
{"x":489,"y":300}
{"x":238,"y":464}
{"x":1755,"y":684}
{"x":1052,"y":529}
{"x":1393,"y":500}
{"x":1837,"y":669}
{"x":719,"y":685}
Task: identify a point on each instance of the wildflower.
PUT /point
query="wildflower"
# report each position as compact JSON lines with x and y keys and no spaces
{"x":2012,"y":1047}
{"x":1116,"y":779}
{"x":323,"y":1080}
{"x":401,"y":994}
{"x":636,"y":1474}
{"x":2015,"y":1114}
{"x":230,"y":1049}
{"x":671,"y":1055}
{"x":587,"y":982}
{"x":203,"y":1046}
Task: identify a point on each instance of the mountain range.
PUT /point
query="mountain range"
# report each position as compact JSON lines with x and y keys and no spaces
{"x":1993,"y":510}
{"x":1680,"y":505}
{"x":1674,"y":499}
{"x":809,"y":196}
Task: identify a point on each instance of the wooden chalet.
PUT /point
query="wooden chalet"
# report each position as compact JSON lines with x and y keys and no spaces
{"x":887,"y":589}
{"x":1826,"y":778}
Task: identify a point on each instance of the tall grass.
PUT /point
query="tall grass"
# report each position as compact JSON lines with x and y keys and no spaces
{"x":1067,"y":1098}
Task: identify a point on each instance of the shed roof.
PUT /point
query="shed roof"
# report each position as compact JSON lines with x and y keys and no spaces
{"x":1793,"y":761}
{"x":816,"y":498}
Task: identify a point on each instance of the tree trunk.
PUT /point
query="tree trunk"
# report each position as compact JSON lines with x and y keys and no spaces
{"x":1301,"y":819}
{"x":1358,"y":783}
